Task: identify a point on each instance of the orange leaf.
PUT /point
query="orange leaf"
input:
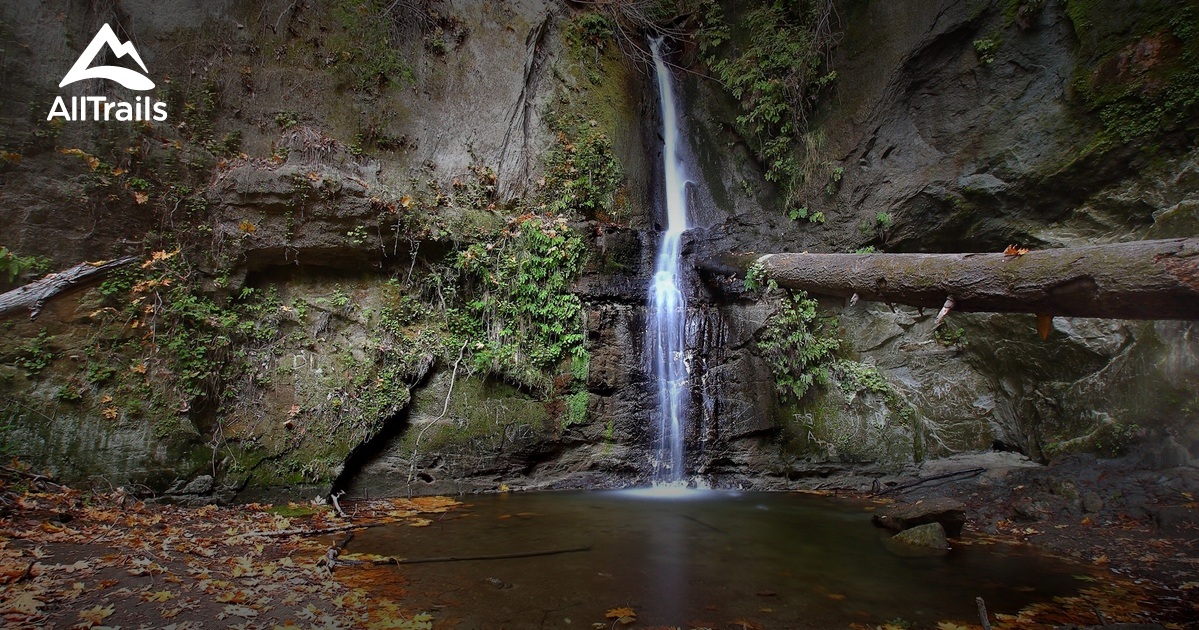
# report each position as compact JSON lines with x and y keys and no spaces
{"x":1013,"y":250}
{"x":141,"y":197}
{"x":1044,"y":325}
{"x":624,"y":615}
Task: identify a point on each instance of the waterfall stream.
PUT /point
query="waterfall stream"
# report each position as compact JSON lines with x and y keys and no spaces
{"x":668,"y":306}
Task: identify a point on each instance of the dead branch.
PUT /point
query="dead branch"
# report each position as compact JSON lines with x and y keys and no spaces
{"x":499,"y":556}
{"x":912,"y":484}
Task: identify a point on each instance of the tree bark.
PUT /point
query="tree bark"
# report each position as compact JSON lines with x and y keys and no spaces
{"x":1138,"y":280}
{"x":34,"y":295}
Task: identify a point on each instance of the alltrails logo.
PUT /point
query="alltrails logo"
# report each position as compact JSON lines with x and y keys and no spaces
{"x":143,"y":107}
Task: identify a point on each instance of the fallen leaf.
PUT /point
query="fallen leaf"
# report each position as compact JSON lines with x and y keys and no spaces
{"x":1013,"y":250}
{"x":949,"y":625}
{"x":96,"y":614}
{"x":244,"y":612}
{"x":141,"y":197}
{"x":24,"y":604}
{"x":158,"y":596}
{"x":624,"y":615}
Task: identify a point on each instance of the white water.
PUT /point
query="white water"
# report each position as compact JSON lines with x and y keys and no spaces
{"x":667,"y":322}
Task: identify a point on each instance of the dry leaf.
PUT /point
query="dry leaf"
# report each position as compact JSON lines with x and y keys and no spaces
{"x":24,"y":604}
{"x":1044,"y":325}
{"x":141,"y":197}
{"x":1013,"y":250}
{"x":96,"y":614}
{"x":624,"y":615}
{"x":158,"y":596}
{"x":247,"y":227}
{"x":111,"y":413}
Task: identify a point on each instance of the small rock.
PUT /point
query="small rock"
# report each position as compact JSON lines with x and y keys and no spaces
{"x":949,"y":513}
{"x":1091,"y":502}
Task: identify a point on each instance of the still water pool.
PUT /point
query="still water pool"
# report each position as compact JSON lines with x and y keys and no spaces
{"x":696,"y":559}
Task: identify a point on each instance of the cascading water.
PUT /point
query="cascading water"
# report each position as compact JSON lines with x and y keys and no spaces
{"x":668,"y":306}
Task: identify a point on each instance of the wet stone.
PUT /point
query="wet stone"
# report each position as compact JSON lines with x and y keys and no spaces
{"x":949,"y":513}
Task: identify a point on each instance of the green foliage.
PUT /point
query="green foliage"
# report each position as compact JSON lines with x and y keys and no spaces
{"x":951,"y":337}
{"x":986,"y":48}
{"x":582,"y":175}
{"x":778,"y":76}
{"x":590,"y":30}
{"x":519,"y":315}
{"x":755,"y":278}
{"x":798,"y":345}
{"x":34,"y":357}
{"x":287,"y":120}
{"x":802,"y":212}
{"x":98,"y":372}
{"x":13,"y":266}
{"x":580,"y":366}
{"x":854,"y":377}
{"x":1138,"y":99}
{"x":869,"y":249}
{"x":879,"y":227}
{"x":576,"y":409}
{"x":368,"y":52}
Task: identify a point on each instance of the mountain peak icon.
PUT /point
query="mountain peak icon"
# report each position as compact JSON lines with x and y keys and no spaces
{"x":126,"y":77}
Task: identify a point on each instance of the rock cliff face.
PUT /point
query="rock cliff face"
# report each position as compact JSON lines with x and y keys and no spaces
{"x":327,"y":168}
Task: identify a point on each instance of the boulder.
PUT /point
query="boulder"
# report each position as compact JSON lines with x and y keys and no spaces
{"x":949,"y":513}
{"x":926,"y":537}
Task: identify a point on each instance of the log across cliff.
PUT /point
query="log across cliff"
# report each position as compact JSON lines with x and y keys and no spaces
{"x":1138,"y":280}
{"x":33,"y":296}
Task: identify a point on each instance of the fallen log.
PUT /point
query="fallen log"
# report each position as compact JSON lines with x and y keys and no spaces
{"x":1139,"y":280}
{"x":33,"y":296}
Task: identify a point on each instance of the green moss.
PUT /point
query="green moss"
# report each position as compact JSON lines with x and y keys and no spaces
{"x":576,"y":409}
{"x":1140,"y":72}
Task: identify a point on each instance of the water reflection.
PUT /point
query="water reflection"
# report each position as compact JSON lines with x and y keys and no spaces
{"x":704,"y":558}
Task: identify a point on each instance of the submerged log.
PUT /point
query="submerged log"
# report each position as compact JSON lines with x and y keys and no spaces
{"x":1138,"y":280}
{"x":33,"y":296}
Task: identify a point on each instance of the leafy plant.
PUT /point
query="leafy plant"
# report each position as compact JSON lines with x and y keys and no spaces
{"x":799,"y":346}
{"x":34,"y":357}
{"x":286,"y":120}
{"x":986,"y":48}
{"x":582,"y":174}
{"x":778,"y":77}
{"x":576,"y":409}
{"x":951,"y":337}
{"x":368,"y":52}
{"x":755,"y":277}
{"x":13,"y":266}
{"x":519,"y":315}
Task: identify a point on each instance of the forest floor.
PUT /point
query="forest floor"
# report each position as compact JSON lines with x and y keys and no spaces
{"x":76,"y":559}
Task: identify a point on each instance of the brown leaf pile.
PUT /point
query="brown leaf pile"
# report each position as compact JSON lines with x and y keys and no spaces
{"x":70,"y":559}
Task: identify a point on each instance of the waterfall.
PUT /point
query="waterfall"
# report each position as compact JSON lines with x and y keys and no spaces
{"x":666,"y":326}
